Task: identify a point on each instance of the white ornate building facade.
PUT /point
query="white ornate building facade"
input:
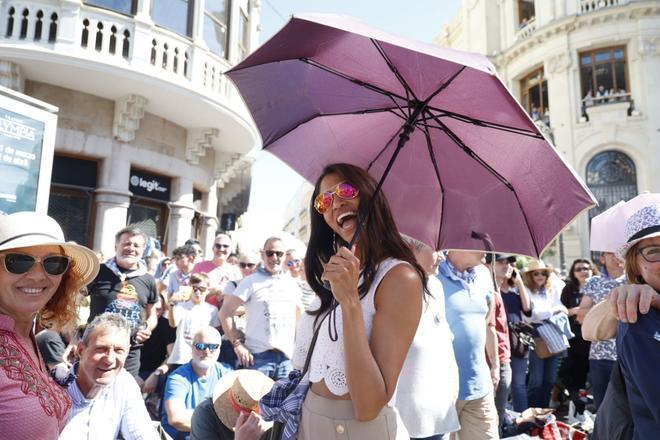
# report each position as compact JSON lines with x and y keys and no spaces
{"x":589,"y":72}
{"x":150,"y":131}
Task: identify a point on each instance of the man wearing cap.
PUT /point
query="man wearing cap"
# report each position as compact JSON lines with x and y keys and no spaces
{"x":469,"y":306}
{"x":272,"y":301}
{"x":106,"y":399}
{"x":123,"y":286}
{"x":191,"y":383}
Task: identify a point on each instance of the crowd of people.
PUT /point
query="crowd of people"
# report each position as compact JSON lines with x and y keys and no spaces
{"x":395,"y":339}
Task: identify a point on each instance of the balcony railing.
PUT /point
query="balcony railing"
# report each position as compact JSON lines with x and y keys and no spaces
{"x":587,"y":6}
{"x":108,"y":37}
{"x":610,"y":98}
{"x":526,"y":29}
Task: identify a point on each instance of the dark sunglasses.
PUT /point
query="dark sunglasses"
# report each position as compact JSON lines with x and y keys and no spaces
{"x":295,"y":262}
{"x":221,"y":246}
{"x":246,"y":265}
{"x":199,"y":288}
{"x":343,"y":190}
{"x":279,"y":254}
{"x":536,"y":274}
{"x":21,"y":263}
{"x":582,"y":269}
{"x":201,"y":346}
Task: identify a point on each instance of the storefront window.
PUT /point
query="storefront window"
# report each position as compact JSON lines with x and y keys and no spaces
{"x":128,"y":7}
{"x":71,"y":200}
{"x":216,"y":26}
{"x":149,"y":205}
{"x":175,"y":15}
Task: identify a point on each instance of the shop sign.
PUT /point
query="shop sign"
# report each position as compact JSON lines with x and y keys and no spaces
{"x":149,"y":185}
{"x":27,"y":129}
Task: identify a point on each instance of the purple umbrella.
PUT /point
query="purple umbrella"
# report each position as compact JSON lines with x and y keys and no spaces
{"x":459,"y":154}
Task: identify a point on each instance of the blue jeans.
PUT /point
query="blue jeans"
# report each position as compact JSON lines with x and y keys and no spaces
{"x":542,"y":376}
{"x":273,"y":363}
{"x":599,"y":375}
{"x":518,"y":383}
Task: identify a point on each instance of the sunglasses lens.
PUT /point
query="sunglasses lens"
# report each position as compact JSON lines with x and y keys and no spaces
{"x":346,"y":191}
{"x":651,"y":253}
{"x":56,"y":265}
{"x":201,"y":346}
{"x":18,"y":263}
{"x":323,"y":202}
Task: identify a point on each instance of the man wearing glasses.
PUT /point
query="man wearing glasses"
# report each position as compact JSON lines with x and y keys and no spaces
{"x":218,"y":269}
{"x":272,"y":301}
{"x":191,"y":383}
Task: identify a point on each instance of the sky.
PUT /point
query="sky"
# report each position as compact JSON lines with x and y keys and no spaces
{"x":274,"y":183}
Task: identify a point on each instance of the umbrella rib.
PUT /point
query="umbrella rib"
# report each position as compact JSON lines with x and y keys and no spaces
{"x":394,"y":70}
{"x":359,"y":82}
{"x":380,"y":153}
{"x":482,"y":123}
{"x":391,"y":110}
{"x":436,"y":169}
{"x":474,"y":155}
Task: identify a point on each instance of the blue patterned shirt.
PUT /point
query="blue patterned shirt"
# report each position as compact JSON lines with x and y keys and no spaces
{"x":598,"y":288}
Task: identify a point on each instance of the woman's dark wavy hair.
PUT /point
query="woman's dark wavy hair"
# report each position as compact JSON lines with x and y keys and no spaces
{"x":572,"y":280}
{"x":378,"y":240}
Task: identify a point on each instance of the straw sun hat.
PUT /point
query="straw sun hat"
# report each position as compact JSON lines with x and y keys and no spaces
{"x":239,"y":391}
{"x":23,"y":229}
{"x":536,"y":265}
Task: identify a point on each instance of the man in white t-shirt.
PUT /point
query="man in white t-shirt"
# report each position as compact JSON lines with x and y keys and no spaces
{"x":272,"y":301}
{"x":188,"y":316}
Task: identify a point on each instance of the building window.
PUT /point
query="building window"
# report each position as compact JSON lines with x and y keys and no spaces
{"x":71,"y":200}
{"x":534,"y":94}
{"x":175,"y":15}
{"x":128,"y":7}
{"x":603,"y":76}
{"x":216,"y":26}
{"x":611,"y":176}
{"x":244,"y":33}
{"x":525,"y":12}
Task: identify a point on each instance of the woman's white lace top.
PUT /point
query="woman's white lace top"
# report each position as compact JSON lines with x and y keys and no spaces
{"x":328,"y":361}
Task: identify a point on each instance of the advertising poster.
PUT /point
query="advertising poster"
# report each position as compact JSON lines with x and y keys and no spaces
{"x":27,"y":134}
{"x":21,"y":140}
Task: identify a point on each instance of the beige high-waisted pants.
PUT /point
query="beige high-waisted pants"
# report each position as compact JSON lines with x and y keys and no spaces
{"x":328,"y":419}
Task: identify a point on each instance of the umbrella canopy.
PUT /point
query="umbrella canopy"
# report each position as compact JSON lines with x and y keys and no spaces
{"x":329,"y":89}
{"x":608,"y":228}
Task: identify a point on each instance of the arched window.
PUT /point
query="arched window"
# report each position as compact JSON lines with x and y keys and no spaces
{"x":612,"y":177}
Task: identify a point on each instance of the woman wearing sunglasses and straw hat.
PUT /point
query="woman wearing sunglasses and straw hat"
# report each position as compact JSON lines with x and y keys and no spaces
{"x":40,"y":274}
{"x":368,"y":307}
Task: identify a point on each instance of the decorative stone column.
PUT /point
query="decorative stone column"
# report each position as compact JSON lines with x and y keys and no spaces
{"x":182,"y":212}
{"x":210,"y":226}
{"x":11,"y":76}
{"x":111,"y":213}
{"x":112,"y":198}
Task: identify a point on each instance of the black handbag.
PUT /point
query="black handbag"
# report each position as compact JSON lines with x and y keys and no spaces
{"x":521,"y":337}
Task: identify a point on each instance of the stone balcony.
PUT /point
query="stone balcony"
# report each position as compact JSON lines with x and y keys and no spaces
{"x":127,"y":59}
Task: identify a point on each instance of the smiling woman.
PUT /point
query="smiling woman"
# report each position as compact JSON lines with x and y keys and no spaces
{"x":40,"y":274}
